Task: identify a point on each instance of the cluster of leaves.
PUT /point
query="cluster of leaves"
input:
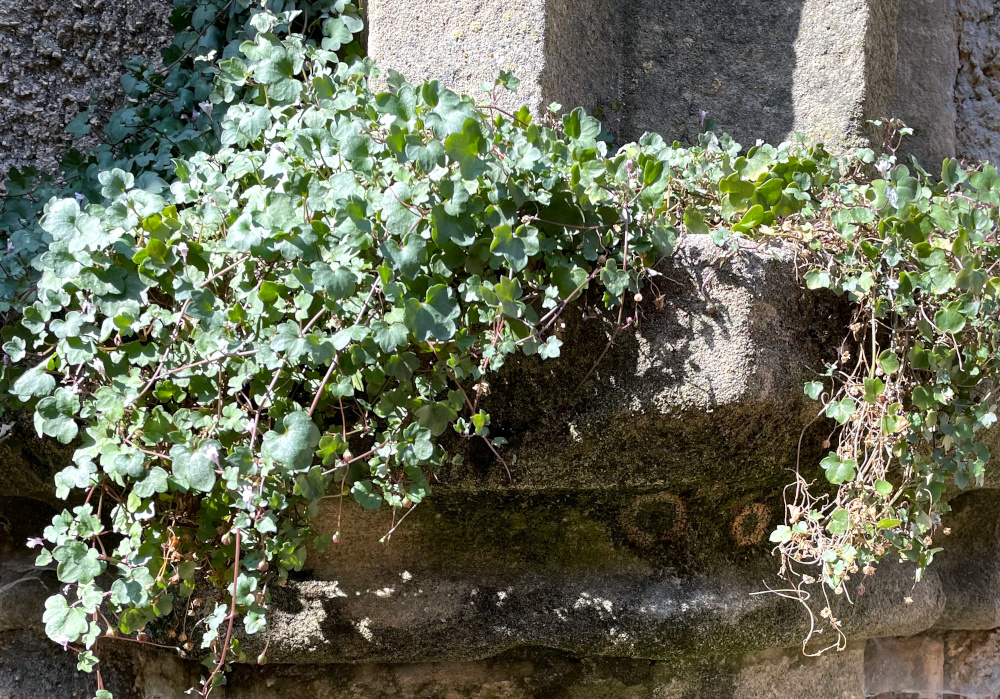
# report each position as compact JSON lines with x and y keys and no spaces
{"x":916,"y":385}
{"x":310,"y":296}
{"x":169,"y":115}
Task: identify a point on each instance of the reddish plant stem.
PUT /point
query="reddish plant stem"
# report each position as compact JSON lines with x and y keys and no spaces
{"x":232,"y":617}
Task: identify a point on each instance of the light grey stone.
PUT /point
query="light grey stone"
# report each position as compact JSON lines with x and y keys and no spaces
{"x":761,"y":70}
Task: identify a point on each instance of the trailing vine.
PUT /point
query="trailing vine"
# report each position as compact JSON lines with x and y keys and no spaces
{"x":276,"y":282}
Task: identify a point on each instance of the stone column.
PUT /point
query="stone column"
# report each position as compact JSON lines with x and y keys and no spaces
{"x":759,"y":69}
{"x":926,"y":67}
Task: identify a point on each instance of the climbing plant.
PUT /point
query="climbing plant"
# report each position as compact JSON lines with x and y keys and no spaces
{"x":278,"y":282}
{"x":916,"y":381}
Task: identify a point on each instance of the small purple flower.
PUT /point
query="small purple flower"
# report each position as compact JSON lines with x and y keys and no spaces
{"x":62,"y":640}
{"x":79,"y":197}
{"x":702,"y":115}
{"x":35,"y":542}
{"x":206,"y":107}
{"x":212,"y":454}
{"x":246,"y":493}
{"x":195,"y":114}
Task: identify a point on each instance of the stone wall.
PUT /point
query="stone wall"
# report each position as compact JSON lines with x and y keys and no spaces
{"x":977,"y":89}
{"x":58,"y":58}
{"x":761,"y":70}
{"x":624,"y":557}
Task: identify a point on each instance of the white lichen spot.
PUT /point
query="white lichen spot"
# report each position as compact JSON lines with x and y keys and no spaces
{"x":503,"y":595}
{"x":385,"y":592}
{"x":619,"y":637}
{"x":601,"y":605}
{"x":362,"y":627}
{"x":406,"y":576}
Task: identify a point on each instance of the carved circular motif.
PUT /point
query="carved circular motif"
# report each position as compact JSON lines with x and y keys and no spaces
{"x":750,"y":525}
{"x":653,"y":519}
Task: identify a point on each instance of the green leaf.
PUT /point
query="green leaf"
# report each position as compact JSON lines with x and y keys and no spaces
{"x":839,"y":470}
{"x":63,"y":623}
{"x":842,"y":410}
{"x":362,"y":491}
{"x":873,"y":389}
{"x":78,"y":563}
{"x":435,"y":317}
{"x":296,"y":445}
{"x":839,"y":522}
{"x":814,"y":389}
{"x":463,"y":148}
{"x":15,"y":349}
{"x":195,"y":470}
{"x":781,"y":534}
{"x":751,"y":219}
{"x":950,"y":319}
{"x":889,"y":362}
{"x":435,"y":416}
{"x":389,"y":337}
{"x":817,"y":279}
{"x":34,"y":382}
{"x":694,"y":222}
{"x":757,"y":165}
{"x":155,"y":481}
{"x":883,"y":488}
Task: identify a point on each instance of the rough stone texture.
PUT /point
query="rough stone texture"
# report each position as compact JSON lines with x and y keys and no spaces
{"x":762,"y":70}
{"x":623,"y":559}
{"x":949,"y":665}
{"x":636,"y":523}
{"x":926,"y":67}
{"x":31,"y":666}
{"x":29,"y":462}
{"x":538,"y":673}
{"x":701,"y":395}
{"x":462,"y":43}
{"x":977,"y":89}
{"x":621,"y":556}
{"x":56,"y":58}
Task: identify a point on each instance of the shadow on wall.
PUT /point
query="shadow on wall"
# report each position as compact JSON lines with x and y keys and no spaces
{"x":654,"y":66}
{"x":762,"y":70}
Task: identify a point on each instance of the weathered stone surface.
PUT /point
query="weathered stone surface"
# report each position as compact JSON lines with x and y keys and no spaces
{"x":622,"y":555}
{"x":462,"y":43}
{"x":56,"y":58}
{"x":29,"y":462}
{"x":702,"y":394}
{"x":977,"y":88}
{"x":636,"y":523}
{"x":537,"y":673}
{"x":950,"y":664}
{"x":762,"y":70}
{"x":926,"y":66}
